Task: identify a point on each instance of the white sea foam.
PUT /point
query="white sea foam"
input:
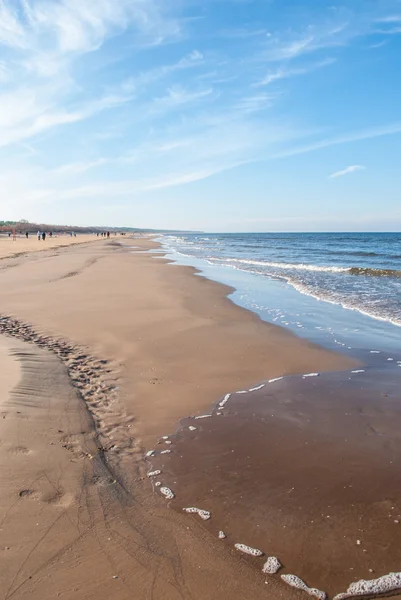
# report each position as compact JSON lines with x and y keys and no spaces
{"x":258,"y":387}
{"x":167,"y":493}
{"x":303,"y":288}
{"x":242,"y":392}
{"x":203,"y":416}
{"x":311,"y":375}
{"x":374,"y":351}
{"x":275,"y":379}
{"x":287,"y":266}
{"x":224,"y":401}
{"x":271,"y":566}
{"x":358,"y":371}
{"x":153,"y":473}
{"x":149,"y":453}
{"x":158,"y":483}
{"x":382,"y":585}
{"x":249,"y":550}
{"x":165,"y":452}
{"x":222,"y":535}
{"x":296,"y":582}
{"x":167,"y":442}
{"x":192,"y":428}
{"x":204,"y":514}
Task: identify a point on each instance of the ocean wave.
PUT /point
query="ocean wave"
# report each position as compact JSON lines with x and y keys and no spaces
{"x":345,"y":303}
{"x":353,"y":253}
{"x":367,"y":271}
{"x":278,"y":265}
{"x":371,"y":272}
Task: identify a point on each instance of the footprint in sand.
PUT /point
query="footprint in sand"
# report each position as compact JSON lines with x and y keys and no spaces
{"x":58,"y":498}
{"x":19,"y":450}
{"x":31,"y":494}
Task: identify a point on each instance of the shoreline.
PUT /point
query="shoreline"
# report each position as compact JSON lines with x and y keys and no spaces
{"x":287,"y":467}
{"x":276,"y":301}
{"x":155,"y":336}
{"x":196,"y":249}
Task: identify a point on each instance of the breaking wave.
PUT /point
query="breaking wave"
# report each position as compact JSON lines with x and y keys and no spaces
{"x":367,"y":271}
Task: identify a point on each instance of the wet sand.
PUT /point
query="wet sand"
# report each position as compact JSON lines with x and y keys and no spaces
{"x":306,"y":470}
{"x":172,"y":344}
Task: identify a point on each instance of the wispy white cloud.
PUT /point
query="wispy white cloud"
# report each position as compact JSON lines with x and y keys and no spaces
{"x":256,"y":102}
{"x":388,"y":25}
{"x":28,"y":112}
{"x":81,"y":167}
{"x":346,"y":26}
{"x":43,"y":41}
{"x":389,"y":19}
{"x":347,"y":171}
{"x":286,"y":72}
{"x":243,"y":33}
{"x":293,"y":45}
{"x":390,"y":31}
{"x":379,"y":44}
{"x":110,"y":112}
{"x":77,"y":25}
{"x":194,"y":59}
{"x":346,"y":138}
{"x":176,"y":98}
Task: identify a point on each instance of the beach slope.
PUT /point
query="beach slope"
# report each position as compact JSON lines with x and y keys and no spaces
{"x":80,"y":518}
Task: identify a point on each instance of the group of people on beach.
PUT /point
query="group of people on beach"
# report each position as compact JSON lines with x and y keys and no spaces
{"x":41,"y":235}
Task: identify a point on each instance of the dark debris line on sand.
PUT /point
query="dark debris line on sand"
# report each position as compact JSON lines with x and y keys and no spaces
{"x":86,"y":372}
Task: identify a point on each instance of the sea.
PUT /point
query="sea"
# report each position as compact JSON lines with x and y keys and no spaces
{"x":342,"y":290}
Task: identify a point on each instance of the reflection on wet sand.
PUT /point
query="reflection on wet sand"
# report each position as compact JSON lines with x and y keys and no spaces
{"x":304,"y":468}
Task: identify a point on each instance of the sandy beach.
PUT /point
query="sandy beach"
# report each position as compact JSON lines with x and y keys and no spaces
{"x":22,"y":245}
{"x":10,"y":370}
{"x":115,"y":346}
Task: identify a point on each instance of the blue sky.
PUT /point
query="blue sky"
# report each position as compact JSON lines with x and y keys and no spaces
{"x":221,"y":115}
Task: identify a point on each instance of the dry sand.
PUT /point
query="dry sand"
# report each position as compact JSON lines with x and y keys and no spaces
{"x":9,"y":371}
{"x":10,"y":247}
{"x":79,"y":517}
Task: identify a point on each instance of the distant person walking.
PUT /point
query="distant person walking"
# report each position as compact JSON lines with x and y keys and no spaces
{"x":39,"y":236}
{"x":44,"y":236}
{"x":108,"y":234}
{"x":26,"y":235}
